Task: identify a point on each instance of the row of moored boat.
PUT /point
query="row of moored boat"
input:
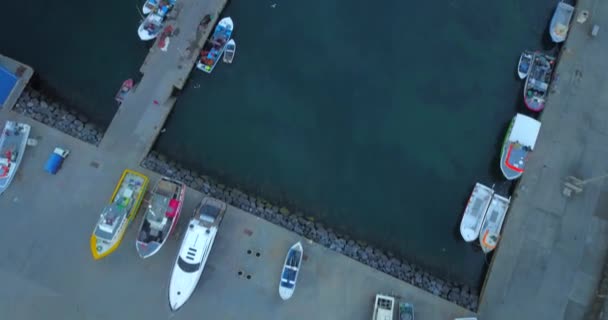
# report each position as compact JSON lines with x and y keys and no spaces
{"x":486,"y":210}
{"x":159,"y":222}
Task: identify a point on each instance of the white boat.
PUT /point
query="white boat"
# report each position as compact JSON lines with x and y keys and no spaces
{"x":523,"y":66}
{"x":214,"y":47}
{"x":519,"y":142}
{"x":230,"y":51}
{"x":194,"y":251}
{"x":291,"y":268}
{"x":384,"y":307}
{"x":118,"y":214}
{"x":161,"y":217}
{"x":560,"y":22}
{"x":152,"y":5}
{"x":475,"y":211}
{"x":13,"y":141}
{"x":492,"y":224}
{"x":151,"y":26}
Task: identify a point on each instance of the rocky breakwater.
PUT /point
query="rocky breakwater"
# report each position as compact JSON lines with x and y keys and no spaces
{"x":386,"y":262}
{"x":51,"y":112}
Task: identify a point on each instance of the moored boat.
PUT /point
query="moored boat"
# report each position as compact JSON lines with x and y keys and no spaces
{"x":475,"y":211}
{"x":406,"y":311}
{"x":519,"y":142}
{"x":13,"y":141}
{"x":152,"y":25}
{"x":537,"y":84}
{"x":194,"y":251}
{"x":523,"y":66}
{"x":492,"y":224}
{"x":290,"y":271}
{"x":384,"y":307}
{"x":126,"y":87}
{"x":161,"y":216}
{"x":230,"y":51}
{"x":214,"y":48}
{"x":560,"y":22}
{"x":117,"y":215}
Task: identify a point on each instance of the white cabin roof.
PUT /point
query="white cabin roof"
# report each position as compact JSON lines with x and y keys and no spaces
{"x":196,"y":242}
{"x":525,"y":130}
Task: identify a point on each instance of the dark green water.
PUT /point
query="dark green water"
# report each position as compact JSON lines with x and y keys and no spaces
{"x":376,"y":120}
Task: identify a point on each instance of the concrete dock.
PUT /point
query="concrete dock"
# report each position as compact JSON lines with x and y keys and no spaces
{"x":549,"y":262}
{"x":46,"y":267}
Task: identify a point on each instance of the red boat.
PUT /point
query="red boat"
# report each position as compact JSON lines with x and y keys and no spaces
{"x":124,"y":89}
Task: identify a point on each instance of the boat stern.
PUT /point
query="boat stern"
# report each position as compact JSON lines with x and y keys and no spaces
{"x":146,"y":250}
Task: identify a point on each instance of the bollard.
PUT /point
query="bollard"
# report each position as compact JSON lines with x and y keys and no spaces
{"x":595,"y":30}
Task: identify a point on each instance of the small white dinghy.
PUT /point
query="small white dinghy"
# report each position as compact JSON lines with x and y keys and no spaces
{"x":523,"y":66}
{"x":291,"y":268}
{"x":475,"y":212}
{"x":492,"y":224}
{"x":229,"y":51}
{"x":560,"y":22}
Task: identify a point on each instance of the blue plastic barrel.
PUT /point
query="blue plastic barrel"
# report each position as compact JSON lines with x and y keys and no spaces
{"x":53,"y":164}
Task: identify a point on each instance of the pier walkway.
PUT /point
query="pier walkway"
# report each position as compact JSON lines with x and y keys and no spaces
{"x":549,"y":261}
{"x":139,"y":119}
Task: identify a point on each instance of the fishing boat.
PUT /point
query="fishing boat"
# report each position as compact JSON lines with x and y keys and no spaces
{"x":117,"y":215}
{"x":194,"y":251}
{"x":523,"y":66}
{"x":149,"y":6}
{"x":475,"y":211}
{"x":519,"y":142}
{"x":384,"y":307}
{"x":230,"y":51}
{"x":152,"y":25}
{"x":492,"y":224}
{"x":537,"y":84}
{"x":161,"y":216}
{"x":13,"y":141}
{"x":291,"y":268}
{"x":126,"y":87}
{"x":406,"y":311}
{"x":560,"y":22}
{"x":214,"y":48}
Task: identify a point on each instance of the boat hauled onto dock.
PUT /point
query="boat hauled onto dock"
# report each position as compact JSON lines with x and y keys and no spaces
{"x":290,"y":271}
{"x":194,"y":251}
{"x":116,"y":216}
{"x":13,"y":141}
{"x":215,"y":46}
{"x":161,"y":216}
{"x":519,"y":142}
{"x":475,"y":212}
{"x":492,"y":224}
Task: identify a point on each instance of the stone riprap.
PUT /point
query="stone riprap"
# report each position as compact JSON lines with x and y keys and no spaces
{"x":51,"y":112}
{"x":386,"y":262}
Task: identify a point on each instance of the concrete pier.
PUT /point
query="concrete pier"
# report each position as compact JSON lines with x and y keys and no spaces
{"x":548,"y":264}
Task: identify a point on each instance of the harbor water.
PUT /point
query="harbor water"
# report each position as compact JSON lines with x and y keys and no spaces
{"x":376,"y":120}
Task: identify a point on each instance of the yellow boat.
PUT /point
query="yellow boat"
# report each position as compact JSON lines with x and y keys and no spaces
{"x":116,"y":216}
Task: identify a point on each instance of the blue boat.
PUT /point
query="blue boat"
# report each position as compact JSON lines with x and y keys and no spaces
{"x":291,"y":268}
{"x":214,"y":48}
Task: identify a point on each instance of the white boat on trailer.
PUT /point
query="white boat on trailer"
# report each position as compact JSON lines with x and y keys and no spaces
{"x":229,"y":51}
{"x":13,"y":141}
{"x":161,"y":217}
{"x":384,"y":307}
{"x":291,"y":269}
{"x":560,"y":22}
{"x":492,"y":224}
{"x":194,"y":251}
{"x":475,"y":211}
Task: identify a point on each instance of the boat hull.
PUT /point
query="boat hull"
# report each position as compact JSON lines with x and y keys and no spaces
{"x":287,"y":286}
{"x":475,"y":211}
{"x":14,"y":134}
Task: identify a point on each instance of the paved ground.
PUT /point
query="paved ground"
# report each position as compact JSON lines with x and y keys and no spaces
{"x":47,"y":271}
{"x":550,"y":257}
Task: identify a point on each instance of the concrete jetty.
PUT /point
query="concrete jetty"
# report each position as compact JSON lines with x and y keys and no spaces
{"x":549,"y":262}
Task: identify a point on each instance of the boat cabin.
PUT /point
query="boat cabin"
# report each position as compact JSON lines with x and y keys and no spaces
{"x":110,"y":219}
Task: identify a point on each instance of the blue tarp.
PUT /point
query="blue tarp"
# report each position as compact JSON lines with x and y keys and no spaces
{"x":53,"y":164}
{"x":7,"y":82}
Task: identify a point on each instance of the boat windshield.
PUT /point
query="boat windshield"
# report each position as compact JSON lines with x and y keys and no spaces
{"x":209,"y":213}
{"x":186,"y":266}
